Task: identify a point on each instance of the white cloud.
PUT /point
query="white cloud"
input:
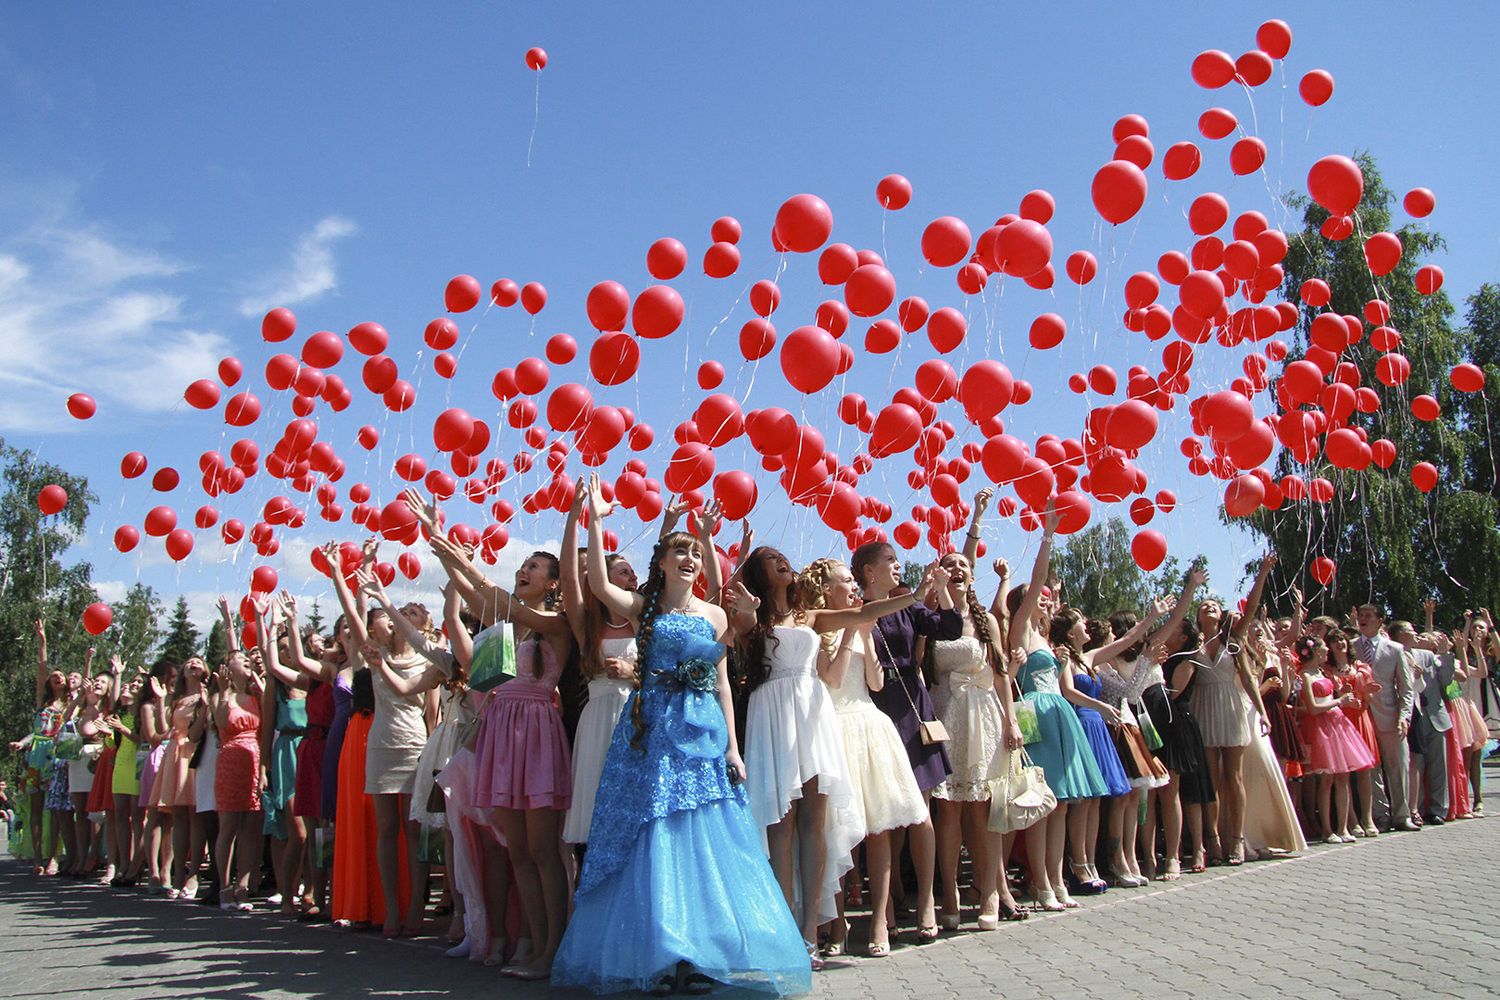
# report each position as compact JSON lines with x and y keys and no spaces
{"x":310,"y":274}
{"x":80,"y":311}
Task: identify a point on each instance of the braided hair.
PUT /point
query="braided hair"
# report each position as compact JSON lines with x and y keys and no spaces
{"x":651,"y":610}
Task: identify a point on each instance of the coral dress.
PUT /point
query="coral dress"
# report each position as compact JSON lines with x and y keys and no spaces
{"x":522,"y":760}
{"x":596,"y":727}
{"x":1334,"y":746}
{"x":237,"y":778}
{"x":675,"y":870}
{"x":174,"y":785}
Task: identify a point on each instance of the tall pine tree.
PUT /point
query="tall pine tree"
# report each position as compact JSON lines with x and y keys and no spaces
{"x":181,"y":641}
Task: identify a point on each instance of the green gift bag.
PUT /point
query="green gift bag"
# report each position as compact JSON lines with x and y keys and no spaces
{"x":68,"y":746}
{"x":1026,"y":721}
{"x":494,"y":660}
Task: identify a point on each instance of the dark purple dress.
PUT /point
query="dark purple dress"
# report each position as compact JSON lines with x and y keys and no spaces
{"x":909,"y":704}
{"x":343,"y":706}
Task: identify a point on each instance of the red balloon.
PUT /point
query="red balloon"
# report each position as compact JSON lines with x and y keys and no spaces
{"x":1119,"y":191}
{"x":897,"y":429}
{"x":1081,"y":267}
{"x":1419,"y":203}
{"x":568,"y":406}
{"x":657,"y":312}
{"x":946,"y":241}
{"x":836,"y":263}
{"x":721,"y":260}
{"x":1316,"y":87}
{"x":533,"y":297}
{"x":1022,"y":248}
{"x":536,"y":58}
{"x":607,"y":306}
{"x":165,"y":480}
{"x":803,"y":223}
{"x":81,"y":406}
{"x":1213,"y":69}
{"x":726,"y":230}
{"x":1039,"y":205}
{"x":893,"y":192}
{"x":757,"y":339}
{"x":719,"y":419}
{"x":1383,"y":253}
{"x":765,"y":296}
{"x":505,"y":293}
{"x":369,"y":338}
{"x":1425,"y":407}
{"x":1253,"y":68}
{"x":1247,"y":156}
{"x":1047,"y":331}
{"x":1467,"y":378}
{"x":278,"y":325}
{"x":1274,"y":38}
{"x":1243,"y":496}
{"x":1424,"y":476}
{"x":1202,"y":294}
{"x":126,"y":537}
{"x":913,"y":314}
{"x":1132,"y":425}
{"x":690,"y":467}
{"x":462,"y":293}
{"x":870,"y":290}
{"x":1228,"y":415}
{"x":1137,"y":149}
{"x":1208,"y":214}
{"x":1181,"y":161}
{"x":1429,"y":279}
{"x":1323,"y":570}
{"x":242,"y":410}
{"x":323,"y":349}
{"x":1149,"y":549}
{"x":710,"y":375}
{"x":666,"y":258}
{"x":51,"y":499}
{"x":810,"y":358}
{"x":1336,"y":183}
{"x":97,"y":617}
{"x":452,"y":429}
{"x":202,"y":394}
{"x":160,"y":520}
{"x":946,"y":329}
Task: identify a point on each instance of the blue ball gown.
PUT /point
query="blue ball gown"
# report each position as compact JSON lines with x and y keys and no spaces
{"x":675,"y":870}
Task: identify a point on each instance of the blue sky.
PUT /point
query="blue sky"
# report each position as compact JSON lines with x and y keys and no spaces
{"x":170,"y":171}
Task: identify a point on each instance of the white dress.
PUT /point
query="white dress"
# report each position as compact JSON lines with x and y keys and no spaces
{"x":203,"y":774}
{"x":456,"y":710}
{"x":792,"y":735}
{"x":596,"y":727}
{"x":1270,"y":821}
{"x":965,"y":702}
{"x":1218,"y":703}
{"x":879,"y":771}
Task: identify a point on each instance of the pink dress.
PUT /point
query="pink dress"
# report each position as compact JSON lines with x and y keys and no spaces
{"x":521,"y":754}
{"x":1334,"y":746}
{"x":1357,"y":710}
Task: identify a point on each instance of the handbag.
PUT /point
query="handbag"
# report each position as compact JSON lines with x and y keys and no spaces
{"x":494,"y":658}
{"x":1020,"y":797}
{"x":931,"y":730}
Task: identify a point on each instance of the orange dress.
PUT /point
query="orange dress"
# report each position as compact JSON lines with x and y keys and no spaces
{"x":237,"y":774}
{"x":174,"y":784}
{"x":357,"y":895}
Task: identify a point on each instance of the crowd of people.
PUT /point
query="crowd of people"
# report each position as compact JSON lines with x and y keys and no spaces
{"x":701,"y":776}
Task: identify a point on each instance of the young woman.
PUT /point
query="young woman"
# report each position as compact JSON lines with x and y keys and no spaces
{"x":606,"y":645}
{"x":97,"y":728}
{"x":905,"y":699}
{"x":884,"y":789}
{"x":1218,"y":676}
{"x":523,"y":768}
{"x":36,"y":779}
{"x":1063,"y":752}
{"x":85,"y":713}
{"x":285,"y":709}
{"x":175,"y":788}
{"x":125,"y":781}
{"x":1354,"y":677}
{"x":153,"y":855}
{"x":1335,"y":749}
{"x":675,"y":886}
{"x":982,"y":733}
{"x":797,"y":771}
{"x":237,"y":781}
{"x":1271,"y":822}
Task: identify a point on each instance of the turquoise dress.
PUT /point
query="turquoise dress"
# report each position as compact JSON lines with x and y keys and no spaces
{"x":675,"y":870}
{"x":291,"y":723}
{"x":1063,"y":751}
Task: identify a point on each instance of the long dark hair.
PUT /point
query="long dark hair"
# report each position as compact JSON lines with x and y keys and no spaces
{"x":595,"y":617}
{"x":650,"y":610}
{"x":753,"y":576}
{"x":1122,"y":622}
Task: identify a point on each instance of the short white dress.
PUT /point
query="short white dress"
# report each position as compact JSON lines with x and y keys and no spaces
{"x":792,"y":735}
{"x":965,"y":702}
{"x":596,"y":727}
{"x":398,"y":732}
{"x":203,"y":774}
{"x":879,"y":770}
{"x":456,"y":710}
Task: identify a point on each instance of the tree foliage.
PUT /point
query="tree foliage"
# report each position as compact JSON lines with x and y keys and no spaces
{"x":1096,"y":573}
{"x":1393,"y":544}
{"x":181,"y":642}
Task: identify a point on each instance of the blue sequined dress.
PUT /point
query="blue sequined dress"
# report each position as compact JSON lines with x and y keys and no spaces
{"x":675,"y":870}
{"x":1064,"y":753}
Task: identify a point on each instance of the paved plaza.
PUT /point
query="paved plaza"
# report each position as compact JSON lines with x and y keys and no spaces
{"x":1409,"y":915}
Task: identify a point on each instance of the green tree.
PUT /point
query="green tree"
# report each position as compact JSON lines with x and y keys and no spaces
{"x":315,"y":618}
{"x":911,"y":574}
{"x":181,"y":641}
{"x":34,"y":584}
{"x":216,"y":648}
{"x":1392,"y":544}
{"x":136,"y":630}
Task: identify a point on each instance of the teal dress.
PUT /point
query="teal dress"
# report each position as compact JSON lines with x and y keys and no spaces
{"x":675,"y":870}
{"x":1063,"y":751}
{"x":291,"y":724}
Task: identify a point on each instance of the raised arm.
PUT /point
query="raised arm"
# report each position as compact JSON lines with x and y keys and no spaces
{"x":570,"y":582}
{"x":832,"y":667}
{"x":370,"y":585}
{"x":1113,"y":649}
{"x":997,"y":607}
{"x":617,"y":599}
{"x":41,"y":664}
{"x":713,"y":577}
{"x":353,"y":613}
{"x":268,"y":621}
{"x":231,"y":638}
{"x":1195,"y":579}
{"x":934,"y":579}
{"x":1021,"y":620}
{"x":459,"y":640}
{"x":981,"y":504}
{"x":316,"y":669}
{"x":1252,"y":603}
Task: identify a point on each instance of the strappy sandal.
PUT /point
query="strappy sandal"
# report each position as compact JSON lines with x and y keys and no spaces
{"x":1237,"y":855}
{"x":1171,"y":871}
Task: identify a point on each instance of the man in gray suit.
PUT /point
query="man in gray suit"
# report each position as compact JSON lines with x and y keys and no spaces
{"x":1431,"y":672}
{"x":1390,"y":709}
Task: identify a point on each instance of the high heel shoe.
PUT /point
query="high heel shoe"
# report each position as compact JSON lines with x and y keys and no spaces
{"x":1081,"y":881}
{"x":948,"y":921}
{"x":1047,"y":900}
{"x":1237,"y":853}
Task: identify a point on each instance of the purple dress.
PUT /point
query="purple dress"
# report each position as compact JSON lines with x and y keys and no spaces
{"x":908,"y":703}
{"x":343,"y":707}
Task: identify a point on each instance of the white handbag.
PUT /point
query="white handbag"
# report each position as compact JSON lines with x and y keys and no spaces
{"x":1020,"y":798}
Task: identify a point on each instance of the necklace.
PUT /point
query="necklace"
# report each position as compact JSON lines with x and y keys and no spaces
{"x":609,"y":622}
{"x":668,"y":609}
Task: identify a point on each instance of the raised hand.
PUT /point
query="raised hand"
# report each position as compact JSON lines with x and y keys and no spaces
{"x":600,"y":507}
{"x":426,"y":513}
{"x":982,"y":501}
{"x":741,"y":601}
{"x":39,"y":628}
{"x":1001,"y":568}
{"x":1197,"y":576}
{"x":708,"y":517}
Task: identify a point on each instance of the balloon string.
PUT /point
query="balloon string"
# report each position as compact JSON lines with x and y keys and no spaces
{"x":536,"y":117}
